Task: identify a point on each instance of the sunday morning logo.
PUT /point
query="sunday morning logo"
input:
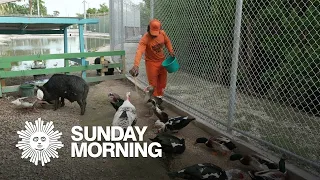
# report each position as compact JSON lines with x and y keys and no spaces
{"x":108,"y":144}
{"x":40,"y":142}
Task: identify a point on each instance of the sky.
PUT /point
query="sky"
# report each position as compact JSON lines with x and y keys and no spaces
{"x":69,"y":8}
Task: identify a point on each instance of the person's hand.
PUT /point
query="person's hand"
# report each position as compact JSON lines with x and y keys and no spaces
{"x":134,"y":71}
{"x":172,"y":54}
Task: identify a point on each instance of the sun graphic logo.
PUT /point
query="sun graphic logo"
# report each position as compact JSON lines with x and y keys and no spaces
{"x":39,"y":142}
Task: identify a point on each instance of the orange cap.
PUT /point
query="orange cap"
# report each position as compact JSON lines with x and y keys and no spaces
{"x":155,"y":25}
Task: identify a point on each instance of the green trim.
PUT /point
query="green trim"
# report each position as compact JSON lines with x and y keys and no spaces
{"x":31,"y":32}
{"x":9,"y":59}
{"x":15,"y":88}
{"x":46,"y":20}
{"x":8,"y":89}
{"x":5,"y":62}
{"x":9,"y":74}
{"x":103,"y":78}
{"x":4,"y":65}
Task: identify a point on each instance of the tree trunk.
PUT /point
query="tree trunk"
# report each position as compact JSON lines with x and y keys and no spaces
{"x":30,"y":6}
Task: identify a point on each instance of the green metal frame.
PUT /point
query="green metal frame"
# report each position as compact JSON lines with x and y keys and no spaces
{"x":6,"y":63}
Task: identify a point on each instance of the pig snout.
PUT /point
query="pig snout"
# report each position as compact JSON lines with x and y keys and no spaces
{"x":70,"y":87}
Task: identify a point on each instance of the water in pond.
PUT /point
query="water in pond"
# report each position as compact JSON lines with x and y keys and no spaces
{"x":46,"y":45}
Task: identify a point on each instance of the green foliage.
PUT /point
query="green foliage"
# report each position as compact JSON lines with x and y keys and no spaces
{"x":56,"y":13}
{"x":103,"y":8}
{"x":201,"y":33}
{"x":145,"y":13}
{"x":289,"y":41}
{"x":15,"y":9}
{"x":42,"y":7}
{"x":92,"y":11}
{"x":279,"y":45}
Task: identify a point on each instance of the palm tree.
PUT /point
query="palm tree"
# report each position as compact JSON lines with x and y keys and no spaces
{"x":7,"y":8}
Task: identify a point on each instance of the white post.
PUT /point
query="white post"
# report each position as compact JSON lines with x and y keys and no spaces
{"x":38,"y":8}
{"x":121,"y":25}
{"x":84,"y":15}
{"x":234,"y":66}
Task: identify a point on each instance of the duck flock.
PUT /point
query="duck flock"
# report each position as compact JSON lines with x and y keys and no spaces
{"x":261,"y":167}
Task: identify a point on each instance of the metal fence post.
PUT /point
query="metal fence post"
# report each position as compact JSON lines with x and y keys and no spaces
{"x":121,"y":25}
{"x":234,"y":66}
{"x":151,"y":9}
{"x":111,"y":27}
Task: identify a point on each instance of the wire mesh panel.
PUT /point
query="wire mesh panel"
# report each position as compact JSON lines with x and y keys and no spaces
{"x":116,"y":24}
{"x":249,"y":66}
{"x":136,"y":19}
{"x":201,"y":33}
{"x":131,"y":13}
{"x":102,"y":26}
{"x":98,"y":35}
{"x":125,"y":23}
{"x":126,"y":20}
{"x":278,"y":76}
{"x":278,"y":81}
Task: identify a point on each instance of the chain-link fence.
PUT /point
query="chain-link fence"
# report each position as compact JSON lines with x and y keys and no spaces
{"x":125,"y":24}
{"x":278,"y":81}
{"x":98,"y":35}
{"x":102,"y":26}
{"x":131,"y":13}
{"x":251,"y":67}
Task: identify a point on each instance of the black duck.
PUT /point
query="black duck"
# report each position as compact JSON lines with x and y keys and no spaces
{"x":206,"y":171}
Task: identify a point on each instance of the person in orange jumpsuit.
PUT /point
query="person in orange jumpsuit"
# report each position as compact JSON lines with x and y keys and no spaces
{"x":152,"y":44}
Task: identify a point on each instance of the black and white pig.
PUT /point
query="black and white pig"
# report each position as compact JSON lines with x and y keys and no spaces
{"x":70,"y":87}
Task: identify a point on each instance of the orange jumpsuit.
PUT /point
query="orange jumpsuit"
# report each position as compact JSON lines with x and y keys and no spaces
{"x":154,"y":56}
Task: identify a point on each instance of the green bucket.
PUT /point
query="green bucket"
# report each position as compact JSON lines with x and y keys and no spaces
{"x":27,"y":90}
{"x":171,"y":64}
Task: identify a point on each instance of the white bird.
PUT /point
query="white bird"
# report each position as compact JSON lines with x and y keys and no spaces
{"x":25,"y":102}
{"x":29,"y":102}
{"x":40,"y":94}
{"x":125,"y":115}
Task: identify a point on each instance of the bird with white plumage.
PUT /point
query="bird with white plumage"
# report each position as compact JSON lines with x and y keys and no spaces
{"x":30,"y":102}
{"x":126,"y":115}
